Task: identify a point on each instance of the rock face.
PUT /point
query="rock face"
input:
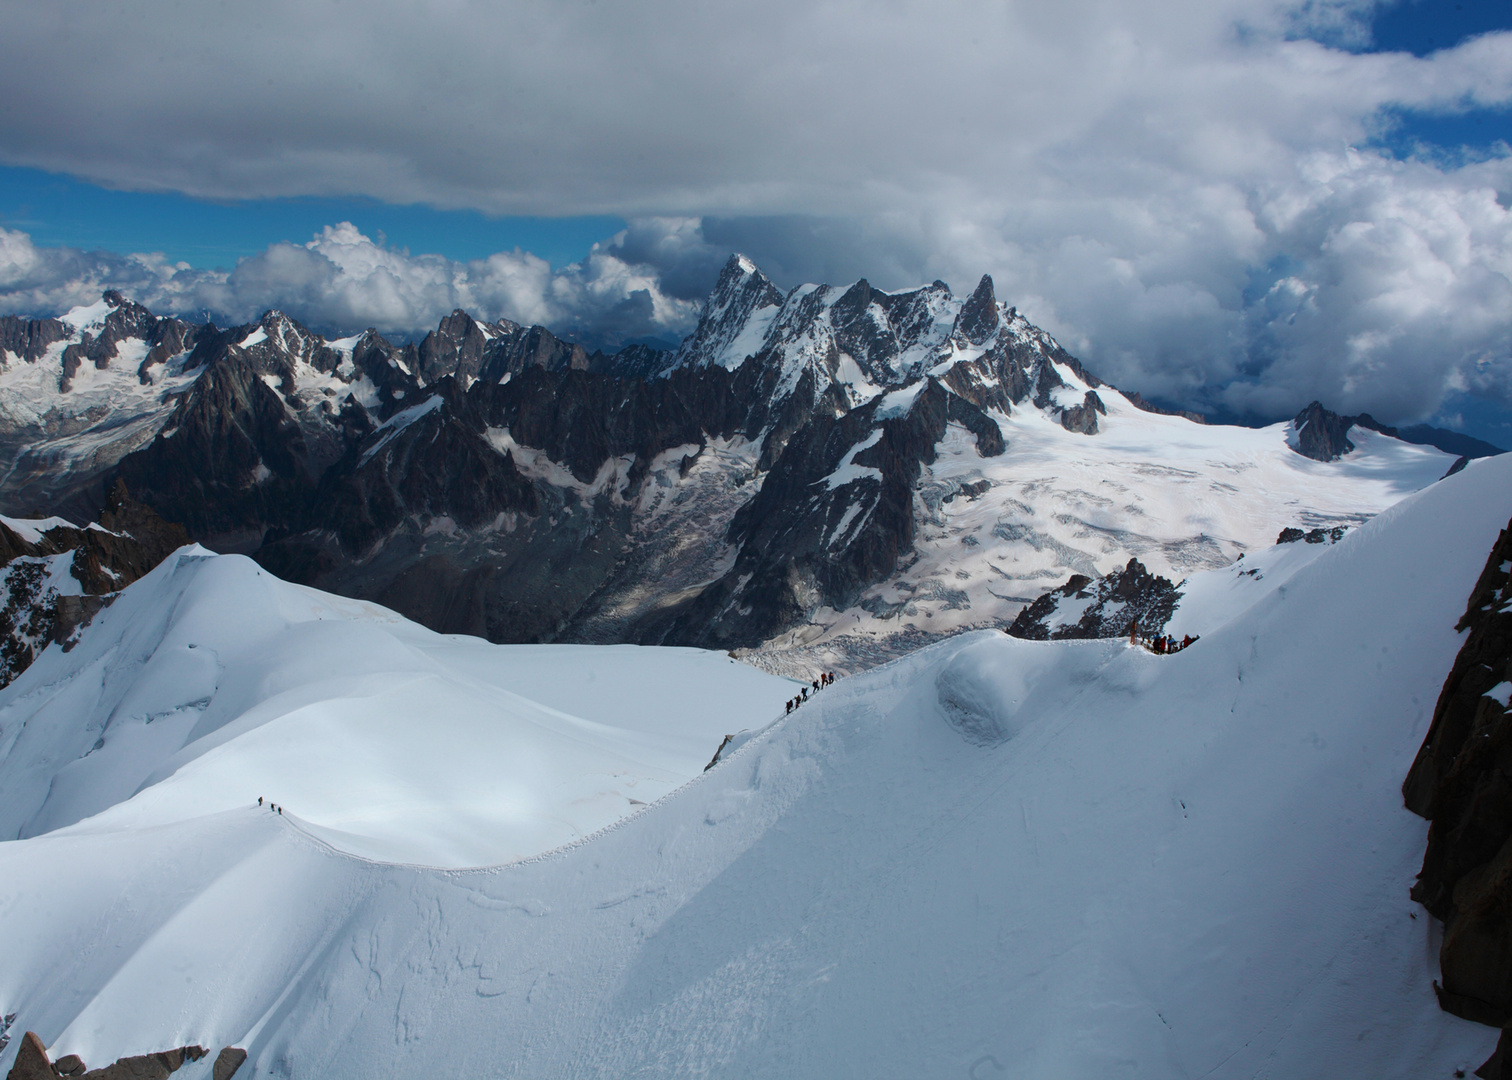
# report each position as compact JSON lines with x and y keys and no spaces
{"x":1313,"y":536}
{"x":112,"y":370}
{"x":1461,"y":781}
{"x":31,"y":1061}
{"x":834,"y":516}
{"x":32,"y":1064}
{"x":227,"y":1062}
{"x":38,"y":606}
{"x":1103,"y":608}
{"x":1322,"y":435}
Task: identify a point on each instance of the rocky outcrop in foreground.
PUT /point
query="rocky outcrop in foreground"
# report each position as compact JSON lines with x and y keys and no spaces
{"x":1461,"y":782}
{"x":1105,"y":608}
{"x":32,"y":1063}
{"x":128,"y":541}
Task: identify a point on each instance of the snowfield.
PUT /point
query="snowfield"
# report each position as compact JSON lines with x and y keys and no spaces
{"x":211,"y":683}
{"x":991,"y":857}
{"x":1183,"y":498}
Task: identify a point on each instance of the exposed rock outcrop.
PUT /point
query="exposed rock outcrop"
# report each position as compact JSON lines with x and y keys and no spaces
{"x":1103,"y":608}
{"x":1322,"y":435}
{"x":227,"y":1062}
{"x":32,"y":1063}
{"x":1313,"y":536}
{"x":1461,"y":781}
{"x":1083,"y":418}
{"x":833,"y":517}
{"x":129,"y":541}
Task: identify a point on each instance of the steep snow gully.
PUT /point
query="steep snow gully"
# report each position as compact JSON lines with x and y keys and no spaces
{"x":991,"y":857}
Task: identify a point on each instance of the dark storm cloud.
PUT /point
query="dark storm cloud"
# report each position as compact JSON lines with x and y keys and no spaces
{"x":1166,"y":184}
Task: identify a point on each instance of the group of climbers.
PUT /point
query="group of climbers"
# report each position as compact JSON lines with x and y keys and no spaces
{"x":271,"y":806}
{"x":825,"y":679}
{"x":1164,"y":644}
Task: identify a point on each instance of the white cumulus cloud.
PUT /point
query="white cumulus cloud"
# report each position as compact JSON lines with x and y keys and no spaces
{"x":343,"y":281}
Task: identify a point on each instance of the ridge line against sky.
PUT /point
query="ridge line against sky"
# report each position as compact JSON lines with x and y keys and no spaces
{"x":1233,"y":206}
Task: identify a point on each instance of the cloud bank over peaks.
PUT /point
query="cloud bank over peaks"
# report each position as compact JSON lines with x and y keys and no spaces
{"x":1191,"y":194}
{"x":342,"y":281}
{"x":1366,"y":282}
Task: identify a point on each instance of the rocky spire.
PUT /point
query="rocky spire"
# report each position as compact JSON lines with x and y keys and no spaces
{"x":979,"y":318}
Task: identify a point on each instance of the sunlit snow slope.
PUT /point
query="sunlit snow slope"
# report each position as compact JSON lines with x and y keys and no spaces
{"x":211,"y":683}
{"x":992,"y":857}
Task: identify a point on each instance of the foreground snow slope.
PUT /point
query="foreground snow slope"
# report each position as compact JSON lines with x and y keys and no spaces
{"x":992,"y":857}
{"x":210,"y":683}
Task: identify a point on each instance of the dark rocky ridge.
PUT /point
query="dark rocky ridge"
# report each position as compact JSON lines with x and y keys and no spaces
{"x":800,"y":546}
{"x":1110,"y":607}
{"x":34,"y":485}
{"x":1461,"y":781}
{"x":1332,"y":535}
{"x":130,"y":541}
{"x":1150,"y":407}
{"x":1451,"y":442}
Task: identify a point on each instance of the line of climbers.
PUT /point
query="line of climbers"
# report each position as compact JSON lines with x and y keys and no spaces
{"x":1164,"y":644}
{"x":826,"y":679}
{"x":271,"y":806}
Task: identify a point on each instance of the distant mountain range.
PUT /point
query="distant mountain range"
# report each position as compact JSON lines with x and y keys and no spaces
{"x":835,"y":472}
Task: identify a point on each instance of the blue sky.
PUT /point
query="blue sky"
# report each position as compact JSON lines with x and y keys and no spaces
{"x":1423,"y":27}
{"x":60,"y":210}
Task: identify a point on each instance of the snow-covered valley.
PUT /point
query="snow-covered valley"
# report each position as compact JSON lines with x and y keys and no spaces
{"x":988,"y":857}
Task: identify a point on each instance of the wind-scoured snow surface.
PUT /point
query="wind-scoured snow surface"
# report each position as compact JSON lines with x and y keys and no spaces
{"x":990,"y":857}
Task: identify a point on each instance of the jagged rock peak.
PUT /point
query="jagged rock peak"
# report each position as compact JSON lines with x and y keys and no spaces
{"x":741,"y":291}
{"x":1128,"y":599}
{"x":980,"y":316}
{"x":456,"y":343}
{"x":1322,"y":435}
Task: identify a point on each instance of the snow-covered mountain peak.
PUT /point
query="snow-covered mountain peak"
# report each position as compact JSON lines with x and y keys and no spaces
{"x":854,"y":342}
{"x":87,"y":316}
{"x":734,"y":319}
